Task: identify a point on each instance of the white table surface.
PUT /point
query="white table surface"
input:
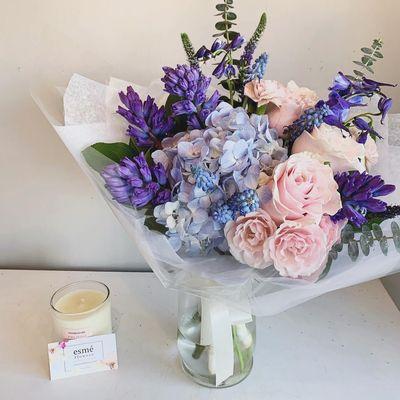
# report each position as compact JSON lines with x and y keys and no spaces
{"x":344,"y":345}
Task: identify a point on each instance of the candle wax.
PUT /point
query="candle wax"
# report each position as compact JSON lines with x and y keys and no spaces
{"x":80,"y":301}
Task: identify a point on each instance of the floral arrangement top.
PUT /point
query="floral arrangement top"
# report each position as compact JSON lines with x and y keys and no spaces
{"x":264,"y":171}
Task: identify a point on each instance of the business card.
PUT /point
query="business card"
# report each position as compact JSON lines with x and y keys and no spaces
{"x":82,"y":356}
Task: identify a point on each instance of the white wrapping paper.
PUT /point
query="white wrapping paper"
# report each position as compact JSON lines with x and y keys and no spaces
{"x":89,"y":117}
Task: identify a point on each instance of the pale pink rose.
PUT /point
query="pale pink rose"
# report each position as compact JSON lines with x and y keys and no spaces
{"x":303,"y":189}
{"x":298,"y":250}
{"x":332,"y":145}
{"x":332,"y":230}
{"x":371,"y":153}
{"x":247,"y":238}
{"x":297,"y":100}
{"x":265,"y":92}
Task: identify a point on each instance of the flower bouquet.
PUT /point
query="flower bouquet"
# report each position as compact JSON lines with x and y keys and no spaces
{"x":251,"y":195}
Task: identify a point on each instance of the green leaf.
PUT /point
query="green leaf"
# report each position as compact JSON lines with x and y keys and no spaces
{"x":396,"y":241}
{"x":222,"y":7}
{"x":383,"y":243}
{"x":367,"y":60}
{"x":377,"y":231}
{"x":378,"y":54}
{"x":366,"y":50}
{"x":148,"y":157}
{"x":338,"y":247}
{"x":347,"y":234}
{"x":153,"y":225}
{"x":395,"y":228}
{"x":223,"y":25}
{"x":171,"y":99}
{"x":359,"y":63}
{"x":353,"y":250}
{"x":327,"y":267}
{"x":368,"y":234}
{"x":134,"y":146}
{"x":358,"y":73}
{"x":369,"y":69}
{"x":229,"y":1}
{"x":231,"y":34}
{"x":99,"y":155}
{"x":218,"y":34}
{"x":230,"y":16}
{"x":364,"y":244}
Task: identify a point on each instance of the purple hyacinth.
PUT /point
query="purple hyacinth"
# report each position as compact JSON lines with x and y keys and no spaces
{"x":148,"y":123}
{"x":186,"y":82}
{"x":384,"y":105}
{"x":134,"y":182}
{"x":358,"y":192}
{"x":190,"y":85}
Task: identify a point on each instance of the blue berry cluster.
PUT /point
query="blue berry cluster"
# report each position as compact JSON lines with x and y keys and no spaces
{"x":222,"y":213}
{"x":257,"y":70}
{"x":205,"y":180}
{"x":245,"y":202}
{"x":242,"y":203}
{"x":313,"y":117}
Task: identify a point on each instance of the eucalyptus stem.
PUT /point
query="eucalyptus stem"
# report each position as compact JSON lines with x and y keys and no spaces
{"x":237,"y":348}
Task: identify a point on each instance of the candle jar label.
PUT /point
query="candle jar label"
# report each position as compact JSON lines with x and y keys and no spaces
{"x":77,"y":334}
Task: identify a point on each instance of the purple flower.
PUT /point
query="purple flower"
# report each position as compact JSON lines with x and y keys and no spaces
{"x":220,"y":69}
{"x":341,"y":84}
{"x":203,"y":52}
{"x":148,"y":123}
{"x":186,"y":82}
{"x":183,"y":107}
{"x":384,"y":105}
{"x":236,"y":43}
{"x":134,"y":182}
{"x":217,"y":45}
{"x":365,"y":129}
{"x":358,"y":192}
{"x":373,"y":86}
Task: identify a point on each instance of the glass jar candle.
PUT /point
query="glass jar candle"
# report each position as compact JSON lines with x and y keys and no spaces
{"x":81,"y":309}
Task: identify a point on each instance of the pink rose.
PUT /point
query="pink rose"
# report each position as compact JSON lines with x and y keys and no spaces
{"x":297,"y":100}
{"x":303,"y":189}
{"x":342,"y":152}
{"x":332,"y":230}
{"x":248,"y":237}
{"x":265,"y":92}
{"x":298,"y":250}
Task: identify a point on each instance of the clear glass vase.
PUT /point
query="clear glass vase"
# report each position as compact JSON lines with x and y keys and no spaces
{"x":199,"y":361}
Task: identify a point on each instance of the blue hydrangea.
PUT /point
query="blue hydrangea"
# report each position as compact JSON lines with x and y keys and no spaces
{"x":205,"y":180}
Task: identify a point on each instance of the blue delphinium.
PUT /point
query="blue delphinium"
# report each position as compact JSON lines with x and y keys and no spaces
{"x":134,"y":182}
{"x":148,"y":123}
{"x":257,"y":70}
{"x":313,"y":117}
{"x":358,"y":192}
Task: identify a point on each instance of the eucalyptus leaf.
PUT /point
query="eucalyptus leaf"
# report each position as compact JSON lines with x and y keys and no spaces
{"x":347,"y":234}
{"x":378,"y":54}
{"x":353,"y":250}
{"x":369,"y":69}
{"x":358,"y":73}
{"x":359,"y":63}
{"x":367,"y":50}
{"x":223,"y":25}
{"x":230,"y":16}
{"x":377,"y":231}
{"x":338,"y":247}
{"x":365,"y":229}
{"x":395,"y":228}
{"x":396,"y":241}
{"x":383,"y":243}
{"x":364,"y":244}
{"x":222,"y":7}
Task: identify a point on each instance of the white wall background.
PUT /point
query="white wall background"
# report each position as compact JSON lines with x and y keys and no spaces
{"x":49,"y":214}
